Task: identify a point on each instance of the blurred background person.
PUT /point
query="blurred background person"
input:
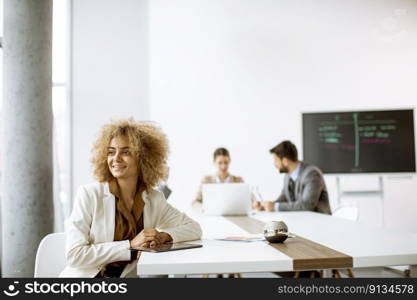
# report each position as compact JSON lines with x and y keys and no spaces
{"x":304,"y":186}
{"x":221,"y":160}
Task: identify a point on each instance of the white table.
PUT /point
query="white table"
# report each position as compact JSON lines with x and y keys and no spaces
{"x":369,"y":247}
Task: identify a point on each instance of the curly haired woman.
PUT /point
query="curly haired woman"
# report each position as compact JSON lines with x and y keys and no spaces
{"x":123,"y":210}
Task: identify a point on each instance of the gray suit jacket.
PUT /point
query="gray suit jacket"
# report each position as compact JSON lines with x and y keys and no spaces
{"x":310,"y":191}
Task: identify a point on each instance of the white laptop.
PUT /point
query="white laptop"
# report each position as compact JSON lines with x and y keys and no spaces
{"x":222,"y":199}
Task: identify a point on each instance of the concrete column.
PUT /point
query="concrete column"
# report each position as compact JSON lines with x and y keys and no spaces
{"x":26,"y":140}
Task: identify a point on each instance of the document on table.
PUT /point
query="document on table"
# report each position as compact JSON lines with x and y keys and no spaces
{"x":244,"y":239}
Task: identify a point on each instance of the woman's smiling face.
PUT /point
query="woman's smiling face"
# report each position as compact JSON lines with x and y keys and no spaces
{"x":121,"y":161}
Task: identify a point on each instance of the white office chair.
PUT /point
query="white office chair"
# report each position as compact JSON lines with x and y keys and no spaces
{"x":346,"y":212}
{"x":50,"y":257}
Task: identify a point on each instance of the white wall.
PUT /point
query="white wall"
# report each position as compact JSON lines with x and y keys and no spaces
{"x":238,"y":73}
{"x":109,"y":72}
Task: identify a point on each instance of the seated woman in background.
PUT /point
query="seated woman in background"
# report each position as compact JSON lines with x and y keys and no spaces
{"x":221,"y":159}
{"x":123,"y":210}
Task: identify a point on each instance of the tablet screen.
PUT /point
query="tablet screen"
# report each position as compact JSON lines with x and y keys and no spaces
{"x":169,"y":247}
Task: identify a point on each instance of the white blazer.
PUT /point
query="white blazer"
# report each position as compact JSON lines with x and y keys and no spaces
{"x":90,"y":229}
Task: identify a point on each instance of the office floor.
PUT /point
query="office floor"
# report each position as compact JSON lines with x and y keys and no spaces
{"x":359,"y":273}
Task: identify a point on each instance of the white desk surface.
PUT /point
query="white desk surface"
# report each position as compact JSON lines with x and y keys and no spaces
{"x":368,"y":246}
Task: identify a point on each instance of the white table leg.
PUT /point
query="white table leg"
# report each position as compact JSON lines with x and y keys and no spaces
{"x":413,"y":271}
{"x":176,"y":276}
{"x":327,"y":273}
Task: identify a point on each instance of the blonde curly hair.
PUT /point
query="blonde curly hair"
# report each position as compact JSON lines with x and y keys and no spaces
{"x":148,"y":143}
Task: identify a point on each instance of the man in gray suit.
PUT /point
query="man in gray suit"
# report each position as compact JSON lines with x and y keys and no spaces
{"x":304,"y":186}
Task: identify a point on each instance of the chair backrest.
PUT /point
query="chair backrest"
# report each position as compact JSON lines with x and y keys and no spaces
{"x":50,"y":258}
{"x":346,"y":212}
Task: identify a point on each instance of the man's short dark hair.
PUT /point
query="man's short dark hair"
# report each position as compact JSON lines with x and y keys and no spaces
{"x":285,"y":149}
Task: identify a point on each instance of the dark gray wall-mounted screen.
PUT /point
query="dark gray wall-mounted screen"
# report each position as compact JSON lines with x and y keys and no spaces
{"x":360,"y":141}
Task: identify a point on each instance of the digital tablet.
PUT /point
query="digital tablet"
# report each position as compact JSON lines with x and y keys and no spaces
{"x":169,"y":247}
